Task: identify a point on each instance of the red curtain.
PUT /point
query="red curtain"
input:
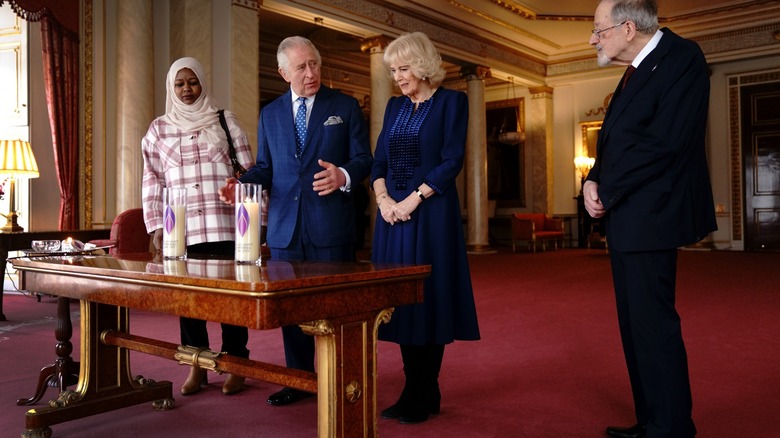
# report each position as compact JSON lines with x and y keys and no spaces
{"x":61,"y":75}
{"x":59,"y":32}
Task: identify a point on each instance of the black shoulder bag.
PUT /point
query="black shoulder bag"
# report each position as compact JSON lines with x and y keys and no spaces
{"x":238,"y":169}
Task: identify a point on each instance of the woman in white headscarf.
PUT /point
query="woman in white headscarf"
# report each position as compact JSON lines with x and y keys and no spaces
{"x":187,"y":147}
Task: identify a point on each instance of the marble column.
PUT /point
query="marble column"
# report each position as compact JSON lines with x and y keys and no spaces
{"x":539,"y":138}
{"x":477,"y":239}
{"x":191,"y":31}
{"x":381,"y":84}
{"x":381,"y":91}
{"x":245,"y":67}
{"x":134,"y":95}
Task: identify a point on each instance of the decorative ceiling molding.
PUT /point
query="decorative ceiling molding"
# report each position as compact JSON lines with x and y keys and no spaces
{"x":249,"y":4}
{"x":728,"y":9}
{"x":514,"y":40}
{"x":526,"y":13}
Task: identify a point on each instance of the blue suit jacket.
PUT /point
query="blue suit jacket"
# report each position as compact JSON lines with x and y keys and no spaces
{"x":336,"y":133}
{"x":651,"y":164}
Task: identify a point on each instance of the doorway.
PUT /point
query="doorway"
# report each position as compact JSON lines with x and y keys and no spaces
{"x":760,"y":114}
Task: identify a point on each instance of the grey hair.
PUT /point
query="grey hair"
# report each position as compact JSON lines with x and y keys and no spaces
{"x":290,"y":42}
{"x":416,"y":50}
{"x":643,"y":13}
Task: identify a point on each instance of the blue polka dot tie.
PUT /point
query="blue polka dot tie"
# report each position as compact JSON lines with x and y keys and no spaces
{"x":300,"y":126}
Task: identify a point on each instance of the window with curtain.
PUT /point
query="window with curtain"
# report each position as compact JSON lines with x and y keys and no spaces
{"x":14,"y":114}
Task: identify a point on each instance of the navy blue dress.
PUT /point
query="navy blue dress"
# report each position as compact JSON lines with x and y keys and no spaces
{"x":427,"y":145}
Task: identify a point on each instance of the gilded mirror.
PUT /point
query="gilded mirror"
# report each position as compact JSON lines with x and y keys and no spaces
{"x":590,"y":137}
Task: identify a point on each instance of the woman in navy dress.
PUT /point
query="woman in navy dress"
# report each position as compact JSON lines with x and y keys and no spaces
{"x":419,"y":154}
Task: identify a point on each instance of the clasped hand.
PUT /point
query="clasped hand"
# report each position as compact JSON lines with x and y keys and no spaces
{"x":393,"y":212}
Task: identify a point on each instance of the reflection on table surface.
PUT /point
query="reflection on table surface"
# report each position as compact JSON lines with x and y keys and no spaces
{"x":222,"y":273}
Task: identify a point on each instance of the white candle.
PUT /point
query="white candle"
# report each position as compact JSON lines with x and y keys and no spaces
{"x":247,"y":231}
{"x":174,"y":222}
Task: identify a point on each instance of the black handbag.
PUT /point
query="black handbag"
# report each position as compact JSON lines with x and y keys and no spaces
{"x":238,"y":169}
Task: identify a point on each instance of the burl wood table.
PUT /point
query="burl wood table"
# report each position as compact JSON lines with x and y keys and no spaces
{"x":340,"y":304}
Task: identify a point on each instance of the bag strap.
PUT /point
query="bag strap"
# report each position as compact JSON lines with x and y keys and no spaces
{"x":237,"y":167}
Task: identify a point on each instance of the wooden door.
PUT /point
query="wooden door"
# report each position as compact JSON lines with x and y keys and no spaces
{"x":761,"y":160}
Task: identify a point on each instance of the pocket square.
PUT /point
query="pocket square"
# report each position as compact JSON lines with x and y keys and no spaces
{"x":333,"y":120}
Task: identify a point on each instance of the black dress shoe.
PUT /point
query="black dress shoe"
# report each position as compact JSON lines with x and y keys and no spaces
{"x":393,"y":412}
{"x":287,"y":396}
{"x":635,"y":431}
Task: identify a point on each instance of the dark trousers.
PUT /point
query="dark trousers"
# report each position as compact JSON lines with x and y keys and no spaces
{"x":193,"y":331}
{"x":299,"y":347}
{"x":652,"y":340}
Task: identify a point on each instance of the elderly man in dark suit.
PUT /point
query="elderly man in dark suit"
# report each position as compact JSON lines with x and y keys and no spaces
{"x":651,"y":184}
{"x":313,"y":148}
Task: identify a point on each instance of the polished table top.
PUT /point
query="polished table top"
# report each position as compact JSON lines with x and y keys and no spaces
{"x":275,"y":293}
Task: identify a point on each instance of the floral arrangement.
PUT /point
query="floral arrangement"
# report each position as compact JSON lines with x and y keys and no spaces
{"x":2,"y":189}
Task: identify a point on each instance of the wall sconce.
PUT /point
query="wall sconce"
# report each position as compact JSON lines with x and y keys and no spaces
{"x":16,"y":160}
{"x":583,"y":165}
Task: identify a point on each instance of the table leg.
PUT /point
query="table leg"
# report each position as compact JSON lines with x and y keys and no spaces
{"x":346,"y":374}
{"x":106,"y":383}
{"x":64,"y":370}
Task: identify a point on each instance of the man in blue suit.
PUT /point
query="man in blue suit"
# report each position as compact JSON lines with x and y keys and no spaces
{"x":313,"y":147}
{"x":651,"y":185}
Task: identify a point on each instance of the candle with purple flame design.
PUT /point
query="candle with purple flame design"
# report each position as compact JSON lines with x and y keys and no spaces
{"x":248,"y":198}
{"x":174,"y":223}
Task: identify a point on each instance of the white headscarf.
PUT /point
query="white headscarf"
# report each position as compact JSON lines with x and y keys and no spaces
{"x":201,"y":114}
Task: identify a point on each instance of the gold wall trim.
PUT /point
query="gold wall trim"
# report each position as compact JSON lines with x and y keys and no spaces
{"x":87,"y":81}
{"x":736,"y":164}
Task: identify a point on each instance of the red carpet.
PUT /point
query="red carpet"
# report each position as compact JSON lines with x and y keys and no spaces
{"x":549,"y":363}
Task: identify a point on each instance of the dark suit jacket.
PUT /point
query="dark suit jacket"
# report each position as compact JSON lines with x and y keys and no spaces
{"x":336,"y":133}
{"x":651,"y":163}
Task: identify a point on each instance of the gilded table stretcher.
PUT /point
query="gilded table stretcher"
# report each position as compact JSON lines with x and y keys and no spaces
{"x":340,"y":304}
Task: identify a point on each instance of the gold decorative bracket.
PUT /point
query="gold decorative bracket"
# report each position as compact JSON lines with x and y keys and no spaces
{"x":199,"y":357}
{"x":317,"y":328}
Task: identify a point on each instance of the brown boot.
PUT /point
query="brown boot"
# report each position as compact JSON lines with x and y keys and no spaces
{"x":194,"y":381}
{"x":233,"y":384}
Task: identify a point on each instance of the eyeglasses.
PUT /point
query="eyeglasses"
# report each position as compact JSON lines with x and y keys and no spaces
{"x":597,"y":32}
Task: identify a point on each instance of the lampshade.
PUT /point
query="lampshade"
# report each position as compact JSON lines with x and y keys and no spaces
{"x":17,"y":159}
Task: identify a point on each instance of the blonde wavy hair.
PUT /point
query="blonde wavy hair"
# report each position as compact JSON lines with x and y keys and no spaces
{"x":418,"y":52}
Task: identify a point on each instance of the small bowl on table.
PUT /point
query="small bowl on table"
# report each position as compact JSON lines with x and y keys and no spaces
{"x":45,"y":245}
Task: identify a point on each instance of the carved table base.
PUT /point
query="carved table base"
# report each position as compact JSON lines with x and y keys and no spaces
{"x":107,"y":385}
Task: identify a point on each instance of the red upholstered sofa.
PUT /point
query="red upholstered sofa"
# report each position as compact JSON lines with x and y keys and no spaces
{"x":536,"y":227}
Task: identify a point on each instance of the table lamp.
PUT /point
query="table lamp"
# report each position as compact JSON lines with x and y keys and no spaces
{"x":16,"y":160}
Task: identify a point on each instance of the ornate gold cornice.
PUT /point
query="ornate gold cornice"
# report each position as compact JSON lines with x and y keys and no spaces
{"x":249,"y":4}
{"x":523,"y":12}
{"x":527,"y":14}
{"x":541,"y":92}
{"x":375,"y":44}
{"x":475,"y":71}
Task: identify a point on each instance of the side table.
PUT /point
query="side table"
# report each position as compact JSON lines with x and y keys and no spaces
{"x":20,"y":240}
